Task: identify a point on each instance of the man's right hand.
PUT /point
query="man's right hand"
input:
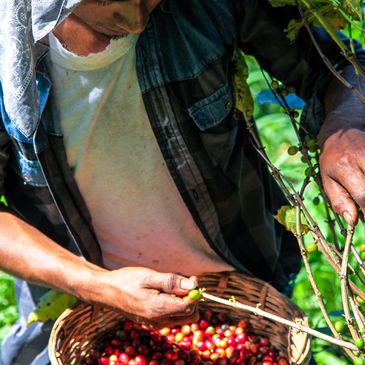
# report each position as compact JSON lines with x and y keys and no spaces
{"x":141,"y":294}
{"x":147,"y":296}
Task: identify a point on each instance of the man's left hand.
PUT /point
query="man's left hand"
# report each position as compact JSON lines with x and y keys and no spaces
{"x":342,"y":142}
{"x":342,"y":163}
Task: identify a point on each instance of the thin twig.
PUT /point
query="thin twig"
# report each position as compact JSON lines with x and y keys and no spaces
{"x":323,"y":22}
{"x":313,"y":283}
{"x":298,"y":326}
{"x":328,"y":63}
{"x":359,"y":317}
{"x":293,"y":196}
{"x":359,"y":261}
{"x":330,"y":221}
{"x":335,"y":266}
{"x":344,"y":283}
{"x":274,"y":170}
{"x":330,"y":251}
{"x":352,"y":270}
{"x":308,"y":160}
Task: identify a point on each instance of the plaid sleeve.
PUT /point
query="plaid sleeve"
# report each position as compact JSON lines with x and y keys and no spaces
{"x":261,"y":33}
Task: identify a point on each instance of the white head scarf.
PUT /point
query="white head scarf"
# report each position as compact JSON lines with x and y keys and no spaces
{"x":22,"y":23}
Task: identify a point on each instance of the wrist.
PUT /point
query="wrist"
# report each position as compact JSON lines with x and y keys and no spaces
{"x":84,"y":280}
{"x":338,"y":122}
{"x":344,"y":110}
{"x":104,"y":287}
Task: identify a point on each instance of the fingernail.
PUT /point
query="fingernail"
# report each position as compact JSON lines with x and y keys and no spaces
{"x":347,"y":217}
{"x":187,"y":284}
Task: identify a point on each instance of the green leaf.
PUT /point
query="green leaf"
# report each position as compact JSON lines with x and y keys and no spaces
{"x":279,"y":3}
{"x":50,"y":306}
{"x":3,"y":200}
{"x":293,"y":29}
{"x":331,"y":14}
{"x":243,"y":100}
{"x":287,"y":216}
{"x":353,"y":8}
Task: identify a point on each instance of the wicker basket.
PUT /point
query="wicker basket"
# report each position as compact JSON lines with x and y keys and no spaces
{"x":79,"y":328}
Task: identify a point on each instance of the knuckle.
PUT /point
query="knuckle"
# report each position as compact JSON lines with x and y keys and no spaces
{"x":149,"y":313}
{"x":344,"y":160}
{"x":171,"y":281}
{"x":359,"y":197}
{"x":146,"y":279}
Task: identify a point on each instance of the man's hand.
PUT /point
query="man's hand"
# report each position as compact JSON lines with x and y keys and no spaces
{"x":342,"y":164}
{"x":148,"y":296}
{"x":342,"y":142}
{"x":141,"y":294}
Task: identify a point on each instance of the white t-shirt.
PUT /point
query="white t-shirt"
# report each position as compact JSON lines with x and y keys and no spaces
{"x":138,"y":214}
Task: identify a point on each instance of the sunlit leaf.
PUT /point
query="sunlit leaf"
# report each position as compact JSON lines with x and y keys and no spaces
{"x":50,"y":306}
{"x":287,"y":216}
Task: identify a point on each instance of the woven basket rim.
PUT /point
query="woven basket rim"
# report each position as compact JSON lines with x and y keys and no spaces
{"x":303,"y":341}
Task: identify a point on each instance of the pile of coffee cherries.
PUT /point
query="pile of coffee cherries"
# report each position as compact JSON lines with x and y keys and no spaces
{"x":213,"y":340}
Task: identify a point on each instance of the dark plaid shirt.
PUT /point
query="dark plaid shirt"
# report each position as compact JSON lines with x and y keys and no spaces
{"x":184,"y":70}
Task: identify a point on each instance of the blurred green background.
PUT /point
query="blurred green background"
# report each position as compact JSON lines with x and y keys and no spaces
{"x":8,"y":310}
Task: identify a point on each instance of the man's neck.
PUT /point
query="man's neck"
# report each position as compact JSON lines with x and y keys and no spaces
{"x":79,"y":38}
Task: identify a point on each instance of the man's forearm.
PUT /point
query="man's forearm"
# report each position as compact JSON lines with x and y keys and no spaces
{"x":342,"y":142}
{"x":28,"y":254}
{"x":343,"y":108}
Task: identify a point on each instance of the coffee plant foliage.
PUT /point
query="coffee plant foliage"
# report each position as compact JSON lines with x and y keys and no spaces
{"x":278,"y":136}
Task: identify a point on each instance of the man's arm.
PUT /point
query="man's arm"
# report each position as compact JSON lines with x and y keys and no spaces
{"x":144,"y":295}
{"x":342,"y":135}
{"x":27,"y":253}
{"x":261,"y":33}
{"x":342,"y":142}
